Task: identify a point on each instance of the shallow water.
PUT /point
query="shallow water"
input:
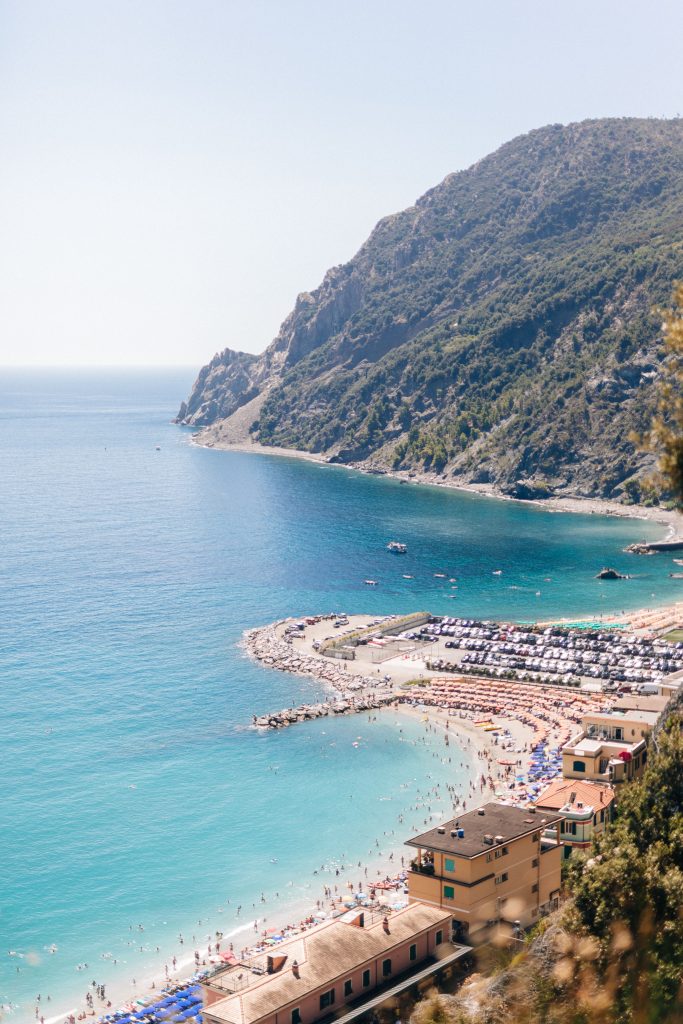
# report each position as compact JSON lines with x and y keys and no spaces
{"x":132,"y":790}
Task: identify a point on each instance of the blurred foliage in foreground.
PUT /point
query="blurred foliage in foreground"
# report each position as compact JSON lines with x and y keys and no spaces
{"x":665,"y":438}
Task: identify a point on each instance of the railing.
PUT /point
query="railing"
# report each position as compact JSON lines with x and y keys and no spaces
{"x":424,"y":868}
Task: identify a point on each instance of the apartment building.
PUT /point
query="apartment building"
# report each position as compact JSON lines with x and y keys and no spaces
{"x":493,"y":865}
{"x":338,"y":965}
{"x":611,"y":747}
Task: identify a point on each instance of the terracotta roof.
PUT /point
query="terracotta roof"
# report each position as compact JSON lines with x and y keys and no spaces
{"x":493,"y":819}
{"x":559,"y":792}
{"x":325,"y":956}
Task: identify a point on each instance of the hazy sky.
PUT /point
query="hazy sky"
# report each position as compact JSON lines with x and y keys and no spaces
{"x":174,"y":173}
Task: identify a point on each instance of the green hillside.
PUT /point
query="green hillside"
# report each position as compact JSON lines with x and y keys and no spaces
{"x":498,"y":331}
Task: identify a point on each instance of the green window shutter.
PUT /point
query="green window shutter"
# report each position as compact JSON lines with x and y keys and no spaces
{"x":449,"y":864}
{"x":448,"y":892}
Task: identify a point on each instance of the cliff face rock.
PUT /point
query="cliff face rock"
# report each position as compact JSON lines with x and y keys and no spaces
{"x":223,"y":385}
{"x":501,"y":329}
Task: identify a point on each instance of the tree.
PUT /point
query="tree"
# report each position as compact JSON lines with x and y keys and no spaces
{"x":665,"y":437}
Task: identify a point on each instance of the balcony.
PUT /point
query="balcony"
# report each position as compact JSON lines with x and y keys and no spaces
{"x":422,"y":867}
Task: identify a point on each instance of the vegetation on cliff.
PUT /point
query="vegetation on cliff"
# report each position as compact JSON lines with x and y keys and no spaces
{"x":499,"y":330}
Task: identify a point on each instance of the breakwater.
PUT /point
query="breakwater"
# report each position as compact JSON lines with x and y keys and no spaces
{"x":353,"y":692}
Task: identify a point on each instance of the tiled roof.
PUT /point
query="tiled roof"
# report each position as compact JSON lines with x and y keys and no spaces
{"x":560,"y":791}
{"x":324,"y":956}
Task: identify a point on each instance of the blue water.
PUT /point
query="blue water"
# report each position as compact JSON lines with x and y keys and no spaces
{"x":132,"y":790}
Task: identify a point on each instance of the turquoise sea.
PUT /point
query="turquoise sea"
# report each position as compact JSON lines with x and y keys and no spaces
{"x":132,"y":790}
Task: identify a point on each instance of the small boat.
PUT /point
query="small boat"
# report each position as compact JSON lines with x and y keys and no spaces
{"x":397,"y":547}
{"x":158,"y":448}
{"x":370,"y":583}
{"x":407,"y":577}
{"x":497,"y":572}
{"x":439,"y":575}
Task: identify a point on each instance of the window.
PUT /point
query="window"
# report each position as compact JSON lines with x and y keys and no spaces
{"x":619,"y":734}
{"x":534,"y":862}
{"x":644,"y":758}
{"x":413,"y":952}
{"x":449,"y":864}
{"x":604,"y":762}
{"x":438,"y":938}
{"x":386,"y":968}
{"x":366,"y":979}
{"x":534,"y":838}
{"x":327,"y":999}
{"x":348,"y":987}
{"x":448,"y":892}
{"x":296,"y":1016}
{"x":502,"y":851}
{"x":602,"y":814}
{"x":579,"y":766}
{"x":501,"y":878}
{"x":534,"y":887}
{"x":569,"y":828}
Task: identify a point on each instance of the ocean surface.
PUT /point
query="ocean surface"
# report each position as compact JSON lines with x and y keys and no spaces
{"x":132,"y":790}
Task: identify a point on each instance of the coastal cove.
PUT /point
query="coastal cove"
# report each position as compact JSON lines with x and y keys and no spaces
{"x":135,"y":791}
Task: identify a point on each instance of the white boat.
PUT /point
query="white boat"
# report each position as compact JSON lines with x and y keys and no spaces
{"x":370,"y":583}
{"x":397,"y":547}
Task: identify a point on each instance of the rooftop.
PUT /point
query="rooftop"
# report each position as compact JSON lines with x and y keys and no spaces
{"x":635,"y":703}
{"x":591,"y":746}
{"x":323,"y":955}
{"x":498,"y":821}
{"x":618,"y":717}
{"x":561,"y":792}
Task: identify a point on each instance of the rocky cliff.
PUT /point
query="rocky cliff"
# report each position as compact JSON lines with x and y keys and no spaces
{"x":500,"y":330}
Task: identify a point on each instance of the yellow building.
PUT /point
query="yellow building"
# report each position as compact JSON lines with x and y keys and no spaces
{"x":587,"y":808}
{"x":611,"y":747}
{"x":494,"y":865}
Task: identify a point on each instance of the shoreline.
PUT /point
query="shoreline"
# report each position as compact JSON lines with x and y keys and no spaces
{"x":290,"y":907}
{"x":668,"y":518}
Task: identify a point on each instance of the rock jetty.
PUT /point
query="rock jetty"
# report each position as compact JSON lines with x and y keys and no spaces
{"x":306,"y":712}
{"x":266,"y":645}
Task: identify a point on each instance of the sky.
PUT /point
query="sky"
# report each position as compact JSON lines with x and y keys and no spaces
{"x":174,"y":173}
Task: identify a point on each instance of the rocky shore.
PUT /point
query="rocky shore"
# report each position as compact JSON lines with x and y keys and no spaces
{"x":266,"y":645}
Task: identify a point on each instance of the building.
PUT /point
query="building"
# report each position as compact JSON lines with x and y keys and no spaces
{"x":341,"y":963}
{"x":587,"y":808}
{"x":611,"y":747}
{"x":638,"y":702}
{"x":496,"y":864}
{"x":631,"y":725}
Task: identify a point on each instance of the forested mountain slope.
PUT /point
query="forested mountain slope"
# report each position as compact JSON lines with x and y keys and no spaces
{"x":499,"y":330}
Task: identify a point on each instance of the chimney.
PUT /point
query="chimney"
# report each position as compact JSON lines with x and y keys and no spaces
{"x":481,"y":811}
{"x":295,"y":968}
{"x":385,"y":925}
